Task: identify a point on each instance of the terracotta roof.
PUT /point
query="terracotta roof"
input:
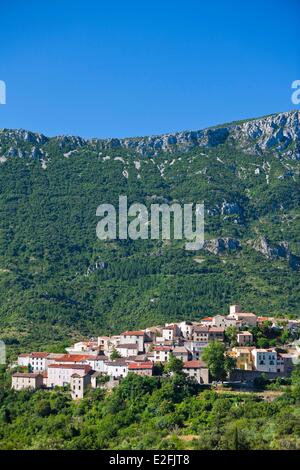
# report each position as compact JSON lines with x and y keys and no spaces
{"x":216,"y":329}
{"x":170,"y":327}
{"x":193,"y":365}
{"x":247,"y":333}
{"x":140,"y":365}
{"x":207,"y":319}
{"x":74,"y":357}
{"x":39,"y":355}
{"x":163,"y":348}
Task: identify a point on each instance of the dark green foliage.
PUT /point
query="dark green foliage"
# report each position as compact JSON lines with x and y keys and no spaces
{"x":148,"y":413}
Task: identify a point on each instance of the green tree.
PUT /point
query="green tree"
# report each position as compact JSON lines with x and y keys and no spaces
{"x":174,"y":365}
{"x":231,"y":335}
{"x":295,"y":388}
{"x":115,"y":355}
{"x":218,"y":363}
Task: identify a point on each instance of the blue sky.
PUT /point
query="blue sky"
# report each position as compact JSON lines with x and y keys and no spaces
{"x":126,"y":68}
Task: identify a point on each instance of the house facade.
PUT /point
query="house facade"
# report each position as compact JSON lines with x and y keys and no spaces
{"x":196,"y":370}
{"x":22,"y":380}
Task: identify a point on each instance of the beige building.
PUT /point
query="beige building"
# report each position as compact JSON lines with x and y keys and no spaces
{"x":21,"y":380}
{"x":78,"y":385}
{"x":244,"y":338}
{"x":221,"y":321}
{"x":141,"y":368}
{"x":205,"y":334}
{"x":134,"y":337}
{"x":180,"y":352}
{"x":246,"y":318}
{"x":197,"y":370}
{"x":128,"y":350}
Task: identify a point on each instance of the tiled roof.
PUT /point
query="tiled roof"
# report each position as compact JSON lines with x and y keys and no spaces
{"x":39,"y":355}
{"x":163,"y":348}
{"x":140,"y":365}
{"x":74,"y":357}
{"x":193,"y":365}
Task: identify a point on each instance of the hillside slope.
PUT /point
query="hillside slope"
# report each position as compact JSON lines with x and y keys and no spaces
{"x":58,"y":281}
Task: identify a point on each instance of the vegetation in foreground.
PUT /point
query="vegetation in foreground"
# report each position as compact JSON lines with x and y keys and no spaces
{"x":151,"y":413}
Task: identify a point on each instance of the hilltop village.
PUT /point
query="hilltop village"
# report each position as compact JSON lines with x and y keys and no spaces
{"x":256,"y":345}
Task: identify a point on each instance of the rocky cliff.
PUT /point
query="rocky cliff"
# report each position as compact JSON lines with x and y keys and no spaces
{"x":277,"y":133}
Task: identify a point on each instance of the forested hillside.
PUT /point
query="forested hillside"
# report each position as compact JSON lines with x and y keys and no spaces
{"x":152,"y":413}
{"x":59,"y":282}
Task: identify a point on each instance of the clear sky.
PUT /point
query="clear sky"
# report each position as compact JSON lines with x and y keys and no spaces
{"x":139,"y":67}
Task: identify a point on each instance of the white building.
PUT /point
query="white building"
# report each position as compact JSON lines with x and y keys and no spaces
{"x":264,"y":360}
{"x":128,"y":350}
{"x":186,"y":329}
{"x":117,"y":369}
{"x":161,"y":353}
{"x":170,"y":332}
{"x":196,"y":348}
{"x":59,"y":375}
{"x":88,"y":347}
{"x":36,"y":360}
{"x":134,"y":337}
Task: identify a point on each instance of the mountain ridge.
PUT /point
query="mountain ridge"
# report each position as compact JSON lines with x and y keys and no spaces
{"x":275,"y":132}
